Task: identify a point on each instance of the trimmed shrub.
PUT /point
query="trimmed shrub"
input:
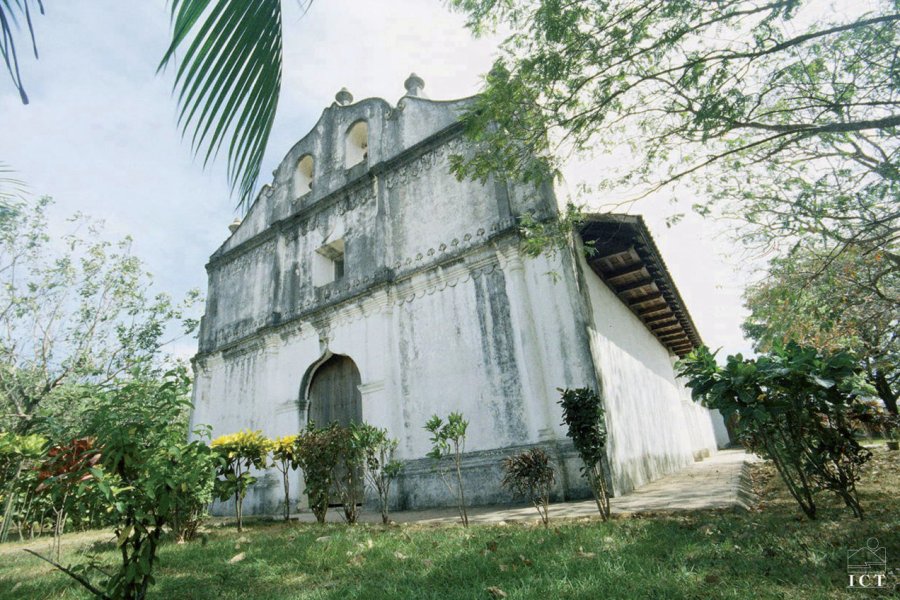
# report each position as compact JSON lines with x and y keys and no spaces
{"x":448,"y":440}
{"x":239,"y":452}
{"x":318,"y":453}
{"x":584,"y":416}
{"x":531,"y":474}
{"x":284,"y":459}
{"x":380,"y":467}
{"x":794,"y":406}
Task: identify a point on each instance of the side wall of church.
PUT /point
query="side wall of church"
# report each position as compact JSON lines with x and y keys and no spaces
{"x":654,"y":426}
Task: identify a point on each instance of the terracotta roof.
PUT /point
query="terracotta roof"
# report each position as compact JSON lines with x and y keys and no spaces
{"x":630,"y":264}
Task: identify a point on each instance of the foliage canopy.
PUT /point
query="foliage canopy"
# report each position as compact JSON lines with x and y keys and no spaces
{"x":784,"y":116}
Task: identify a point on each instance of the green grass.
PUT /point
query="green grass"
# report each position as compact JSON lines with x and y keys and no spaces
{"x":767,"y":553}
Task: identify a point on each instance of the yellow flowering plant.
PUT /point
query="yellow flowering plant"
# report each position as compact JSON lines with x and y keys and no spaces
{"x":284,"y":458}
{"x":241,"y":451}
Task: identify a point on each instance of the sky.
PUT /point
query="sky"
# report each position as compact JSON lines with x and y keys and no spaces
{"x":100,"y":135}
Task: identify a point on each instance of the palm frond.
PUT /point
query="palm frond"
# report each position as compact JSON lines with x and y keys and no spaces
{"x":10,"y":189}
{"x":228,"y":80}
{"x":11,"y":12}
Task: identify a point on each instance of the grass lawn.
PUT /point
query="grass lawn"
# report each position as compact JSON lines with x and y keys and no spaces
{"x":771,"y":552}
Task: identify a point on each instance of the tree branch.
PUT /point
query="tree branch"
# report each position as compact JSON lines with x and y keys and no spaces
{"x":82,"y":580}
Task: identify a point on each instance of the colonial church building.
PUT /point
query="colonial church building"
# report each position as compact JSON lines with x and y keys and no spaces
{"x":367,"y":284}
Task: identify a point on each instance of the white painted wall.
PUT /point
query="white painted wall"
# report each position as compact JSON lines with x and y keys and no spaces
{"x":654,"y":427}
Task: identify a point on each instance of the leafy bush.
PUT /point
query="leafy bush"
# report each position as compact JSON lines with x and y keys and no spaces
{"x":239,"y":452}
{"x":380,"y":467}
{"x":868,"y":416}
{"x":448,"y":440}
{"x":349,"y":472}
{"x":584,"y":416}
{"x":794,"y":407}
{"x":531,"y":474}
{"x":284,"y":458}
{"x":61,"y":477}
{"x":18,"y":455}
{"x":318,"y":453}
{"x":190,"y":505}
{"x":872,"y":416}
{"x":145,"y":468}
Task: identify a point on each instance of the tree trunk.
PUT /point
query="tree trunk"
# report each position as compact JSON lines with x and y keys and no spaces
{"x":887,"y":395}
{"x":287,"y":495}
{"x":10,"y":503}
{"x":462,"y":496}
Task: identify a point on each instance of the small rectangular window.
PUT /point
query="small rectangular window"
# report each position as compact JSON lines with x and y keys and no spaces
{"x":328,"y":263}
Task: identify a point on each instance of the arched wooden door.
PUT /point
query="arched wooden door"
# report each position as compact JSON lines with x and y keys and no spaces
{"x":334,"y":393}
{"x":334,"y":398}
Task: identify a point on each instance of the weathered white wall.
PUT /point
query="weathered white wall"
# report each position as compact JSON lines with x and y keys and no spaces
{"x":492,"y":336}
{"x":654,"y":427}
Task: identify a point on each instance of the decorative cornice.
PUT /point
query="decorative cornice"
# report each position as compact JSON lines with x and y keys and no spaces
{"x":456,"y":245}
{"x":348,"y":198}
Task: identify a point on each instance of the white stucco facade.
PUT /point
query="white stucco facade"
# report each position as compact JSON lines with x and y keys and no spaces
{"x":436,"y":306}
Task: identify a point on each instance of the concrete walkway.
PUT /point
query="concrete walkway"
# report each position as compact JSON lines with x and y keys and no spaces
{"x":720,"y":481}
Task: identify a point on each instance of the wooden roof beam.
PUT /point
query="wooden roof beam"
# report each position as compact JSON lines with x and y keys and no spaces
{"x":655,"y":310}
{"x":623,"y":254}
{"x":647,"y":298}
{"x":687,"y":343}
{"x":634,"y":286}
{"x":669,"y":316}
{"x":668,"y":328}
{"x":683,"y":349}
{"x":671,"y":337}
{"x":640,"y":269}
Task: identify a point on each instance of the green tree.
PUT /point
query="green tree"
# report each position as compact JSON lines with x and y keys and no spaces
{"x":77,"y":315}
{"x":381,"y":469}
{"x":782,"y":115}
{"x":318,"y":454}
{"x":239,"y":452}
{"x":146,"y":469}
{"x":794,"y":406}
{"x":448,"y":443}
{"x":284,"y":459}
{"x":349,"y":472}
{"x":585,"y":419}
{"x":19,"y":454}
{"x":840,"y":300}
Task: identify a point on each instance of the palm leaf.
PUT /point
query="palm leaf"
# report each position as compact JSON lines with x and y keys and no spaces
{"x":11,"y":12}
{"x":10,"y":189}
{"x":228,"y":80}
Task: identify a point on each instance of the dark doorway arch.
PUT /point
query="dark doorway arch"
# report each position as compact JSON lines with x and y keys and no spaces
{"x":333,"y":394}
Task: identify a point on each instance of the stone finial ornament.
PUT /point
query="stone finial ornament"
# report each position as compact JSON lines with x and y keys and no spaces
{"x":234,"y":225}
{"x":344,"y":97}
{"x":414,"y":85}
